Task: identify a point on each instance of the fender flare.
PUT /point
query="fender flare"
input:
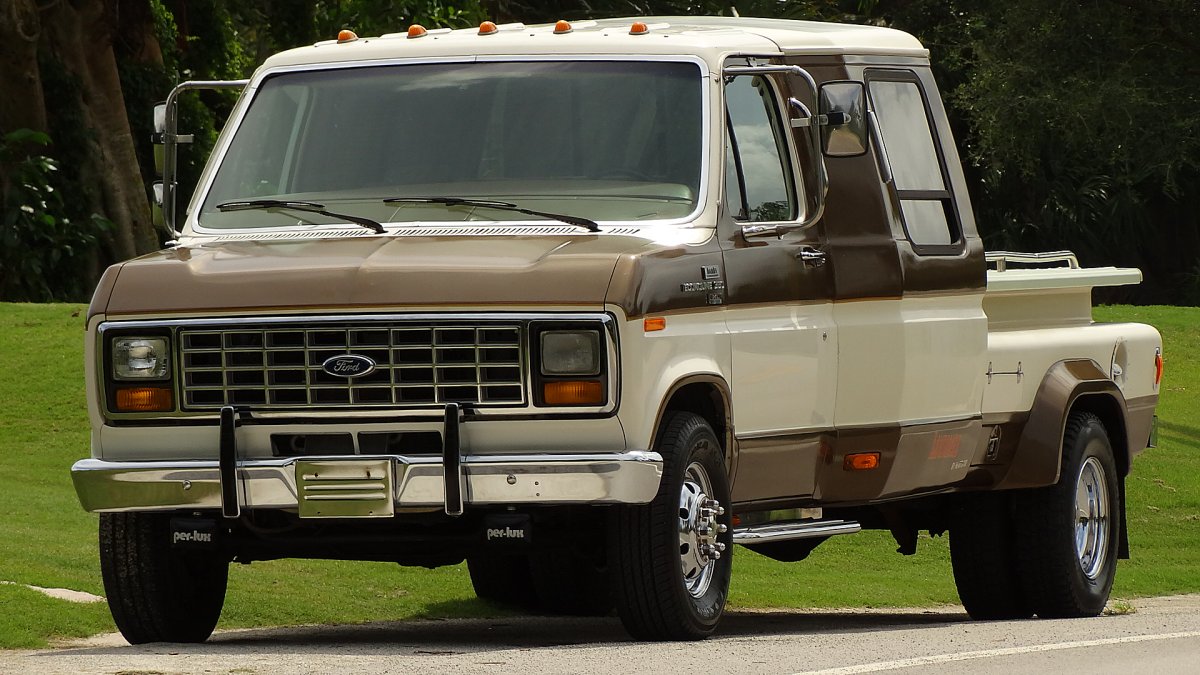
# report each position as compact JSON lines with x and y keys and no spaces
{"x":1038,"y":460}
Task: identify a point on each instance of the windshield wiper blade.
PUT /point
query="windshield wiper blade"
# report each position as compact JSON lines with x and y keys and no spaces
{"x":307,"y":207}
{"x":589,"y":225}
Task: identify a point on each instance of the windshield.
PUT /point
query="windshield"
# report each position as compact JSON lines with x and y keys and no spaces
{"x":603,"y":140}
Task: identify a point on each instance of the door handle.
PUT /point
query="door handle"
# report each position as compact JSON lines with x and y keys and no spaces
{"x":810,"y":256}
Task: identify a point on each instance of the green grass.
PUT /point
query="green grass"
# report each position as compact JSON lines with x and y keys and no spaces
{"x":47,"y":540}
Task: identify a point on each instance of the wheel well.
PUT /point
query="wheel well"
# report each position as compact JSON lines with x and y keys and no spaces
{"x":1109,"y":411}
{"x":706,"y":400}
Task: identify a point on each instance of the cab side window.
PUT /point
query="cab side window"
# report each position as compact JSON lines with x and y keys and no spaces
{"x":758,"y":170}
{"x":918,"y":171}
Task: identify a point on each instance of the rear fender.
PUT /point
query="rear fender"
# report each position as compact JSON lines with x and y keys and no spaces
{"x":1068,"y":385}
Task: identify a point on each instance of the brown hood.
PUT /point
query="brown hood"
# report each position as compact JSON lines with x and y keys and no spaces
{"x":367,"y":272}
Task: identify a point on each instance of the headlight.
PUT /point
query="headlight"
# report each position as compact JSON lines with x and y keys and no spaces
{"x":570,"y":352}
{"x":136,"y":358}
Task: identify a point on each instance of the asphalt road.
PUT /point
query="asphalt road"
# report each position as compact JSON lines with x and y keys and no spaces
{"x":1161,"y":635}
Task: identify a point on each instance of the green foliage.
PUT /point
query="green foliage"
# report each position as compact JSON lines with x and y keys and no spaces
{"x":43,"y":254}
{"x":1083,"y":128}
{"x":47,"y":540}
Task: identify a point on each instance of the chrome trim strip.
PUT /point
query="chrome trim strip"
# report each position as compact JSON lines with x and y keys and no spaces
{"x":629,"y":477}
{"x":904,"y":424}
{"x":762,"y":534}
{"x":424,"y":316}
{"x":813,"y":431}
{"x":773,"y":433}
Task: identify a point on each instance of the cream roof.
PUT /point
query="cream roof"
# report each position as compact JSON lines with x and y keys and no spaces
{"x":710,"y":38}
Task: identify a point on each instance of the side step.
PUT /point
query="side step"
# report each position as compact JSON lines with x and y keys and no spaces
{"x":770,"y":532}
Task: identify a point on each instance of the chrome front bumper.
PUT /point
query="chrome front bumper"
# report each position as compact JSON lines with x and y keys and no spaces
{"x":630,"y":477}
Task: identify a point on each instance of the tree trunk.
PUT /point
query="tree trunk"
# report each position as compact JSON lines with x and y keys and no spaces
{"x":78,"y":33}
{"x":22,"y":105}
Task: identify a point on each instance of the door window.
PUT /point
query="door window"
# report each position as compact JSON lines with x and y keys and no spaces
{"x":918,"y":172}
{"x":758,"y":173}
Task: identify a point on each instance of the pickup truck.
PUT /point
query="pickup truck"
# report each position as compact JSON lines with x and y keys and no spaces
{"x":585,"y":305}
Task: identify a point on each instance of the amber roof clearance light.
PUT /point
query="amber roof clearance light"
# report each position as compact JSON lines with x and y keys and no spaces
{"x":488,"y":28}
{"x":345,"y":35}
{"x":417,"y":30}
{"x":563,"y":26}
{"x":639,"y":28}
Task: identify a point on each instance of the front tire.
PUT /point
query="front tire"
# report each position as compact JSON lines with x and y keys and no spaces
{"x":157,"y":593}
{"x":672,"y":558}
{"x":1068,"y":533}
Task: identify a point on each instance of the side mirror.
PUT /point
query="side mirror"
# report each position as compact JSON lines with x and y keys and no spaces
{"x":844,"y":105}
{"x":160,"y":120}
{"x":167,"y":141}
{"x":157,"y":194}
{"x":157,"y":138}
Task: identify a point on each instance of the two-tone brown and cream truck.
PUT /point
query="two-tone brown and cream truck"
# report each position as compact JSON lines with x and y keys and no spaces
{"x":587,"y":304}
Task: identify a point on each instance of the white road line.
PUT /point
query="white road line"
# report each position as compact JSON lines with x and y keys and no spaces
{"x":989,"y":653}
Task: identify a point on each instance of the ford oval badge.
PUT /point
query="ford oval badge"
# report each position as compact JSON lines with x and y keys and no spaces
{"x":348,"y":365}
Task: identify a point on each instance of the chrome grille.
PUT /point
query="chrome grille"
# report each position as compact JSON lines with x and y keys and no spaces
{"x":417,"y":364}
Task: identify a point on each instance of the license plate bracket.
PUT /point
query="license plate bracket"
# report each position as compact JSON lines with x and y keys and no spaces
{"x":345,"y":488}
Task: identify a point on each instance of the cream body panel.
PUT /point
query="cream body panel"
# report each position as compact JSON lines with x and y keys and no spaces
{"x":91,"y":385}
{"x":911,"y":360}
{"x":1034,"y":351}
{"x":485,"y":437}
{"x":784,"y":368}
{"x":693,"y":343}
{"x":1057,"y":296}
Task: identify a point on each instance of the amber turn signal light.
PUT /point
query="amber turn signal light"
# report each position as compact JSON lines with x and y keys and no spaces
{"x":144,"y":399}
{"x":861,"y":461}
{"x":654,"y":323}
{"x":584,"y":392}
{"x":1158,"y":368}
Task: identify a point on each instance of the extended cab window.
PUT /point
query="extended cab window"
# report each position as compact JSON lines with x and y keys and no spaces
{"x":758,"y":180}
{"x":918,"y":175}
{"x":604,"y":140}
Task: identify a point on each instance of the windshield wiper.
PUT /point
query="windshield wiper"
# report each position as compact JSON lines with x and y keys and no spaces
{"x":589,"y":225}
{"x":307,"y":207}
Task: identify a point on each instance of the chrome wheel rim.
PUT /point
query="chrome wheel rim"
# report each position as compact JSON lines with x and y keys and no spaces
{"x":698,"y":530}
{"x":1091,"y":518}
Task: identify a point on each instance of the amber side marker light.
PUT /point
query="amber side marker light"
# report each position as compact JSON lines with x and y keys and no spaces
{"x":654,"y":323}
{"x":346,"y":36}
{"x":144,"y":399}
{"x":861,"y":461}
{"x":1158,"y":368}
{"x":573,"y":393}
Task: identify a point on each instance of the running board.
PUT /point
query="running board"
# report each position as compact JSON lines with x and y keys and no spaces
{"x":761,"y":534}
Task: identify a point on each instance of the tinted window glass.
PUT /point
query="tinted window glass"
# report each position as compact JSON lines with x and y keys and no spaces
{"x":602,"y":140}
{"x":926,"y":221}
{"x":906,"y":135}
{"x":755,"y":133}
